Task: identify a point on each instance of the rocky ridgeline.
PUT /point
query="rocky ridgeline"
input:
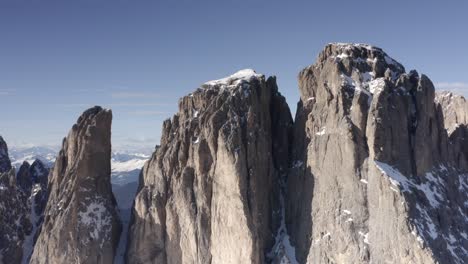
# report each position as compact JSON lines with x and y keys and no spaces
{"x":14,"y":222}
{"x":373,"y":170}
{"x":81,"y":224}
{"x":32,"y":180}
{"x":375,"y":177}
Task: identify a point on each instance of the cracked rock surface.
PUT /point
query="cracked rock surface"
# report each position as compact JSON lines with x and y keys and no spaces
{"x":210,"y":193}
{"x":374,"y":176}
{"x":81,"y":224}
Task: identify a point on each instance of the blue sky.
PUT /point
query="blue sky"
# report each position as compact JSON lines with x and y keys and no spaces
{"x":138,"y":57}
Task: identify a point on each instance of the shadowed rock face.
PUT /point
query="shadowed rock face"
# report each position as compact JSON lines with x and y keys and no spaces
{"x":80,"y":220}
{"x":15,"y":224}
{"x":5,"y":164}
{"x":23,"y":178}
{"x":374,"y":177}
{"x":32,"y":182}
{"x":210,"y":193}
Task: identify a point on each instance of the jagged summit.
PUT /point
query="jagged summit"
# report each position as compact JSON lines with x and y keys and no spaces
{"x":361,"y":67}
{"x":89,"y":113}
{"x":374,"y":169}
{"x":360,"y":53}
{"x":81,"y":215}
{"x":39,"y":171}
{"x":208,"y":193}
{"x":373,"y":166}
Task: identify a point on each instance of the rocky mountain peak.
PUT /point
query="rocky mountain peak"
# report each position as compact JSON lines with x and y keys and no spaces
{"x":23,"y":178}
{"x":29,"y":175}
{"x":360,"y":55}
{"x":375,"y":160}
{"x":39,"y":172}
{"x":208,"y":192}
{"x":358,"y":66}
{"x":364,"y":127}
{"x":5,"y":163}
{"x":81,"y":216}
{"x":455,"y":108}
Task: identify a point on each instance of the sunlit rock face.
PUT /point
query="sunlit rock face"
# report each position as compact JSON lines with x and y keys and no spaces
{"x":81,"y":224}
{"x":210,"y":193}
{"x":374,"y":177}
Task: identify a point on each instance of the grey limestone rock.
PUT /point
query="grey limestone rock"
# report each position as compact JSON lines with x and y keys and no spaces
{"x":81,"y":224}
{"x":210,"y":193}
{"x":373,"y":179}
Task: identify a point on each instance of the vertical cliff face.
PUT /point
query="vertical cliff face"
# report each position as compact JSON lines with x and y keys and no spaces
{"x":454,"y":109}
{"x":210,"y":193}
{"x":81,"y":224}
{"x":374,"y":177}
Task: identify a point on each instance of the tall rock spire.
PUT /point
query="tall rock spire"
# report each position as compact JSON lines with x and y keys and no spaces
{"x":210,"y":193}
{"x":376,"y":181}
{"x":81,"y":224}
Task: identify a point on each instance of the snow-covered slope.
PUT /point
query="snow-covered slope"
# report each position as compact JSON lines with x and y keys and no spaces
{"x":126,"y":167}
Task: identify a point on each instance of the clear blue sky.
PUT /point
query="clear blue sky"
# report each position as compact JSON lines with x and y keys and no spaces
{"x":138,"y":57}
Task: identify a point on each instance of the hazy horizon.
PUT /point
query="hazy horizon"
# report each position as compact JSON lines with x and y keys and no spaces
{"x":139,"y":58}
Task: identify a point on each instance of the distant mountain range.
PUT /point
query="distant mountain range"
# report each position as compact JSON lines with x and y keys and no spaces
{"x":45,"y":154}
{"x":126,"y":165}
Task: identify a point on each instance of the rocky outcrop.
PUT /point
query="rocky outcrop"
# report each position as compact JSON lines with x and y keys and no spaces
{"x":5,"y":164}
{"x":454,"y":108}
{"x":210,"y":193}
{"x":23,"y":178}
{"x":373,"y":177}
{"x":81,"y":224}
{"x":39,"y":175}
{"x":34,"y":185}
{"x":15,"y":224}
{"x":29,"y":175}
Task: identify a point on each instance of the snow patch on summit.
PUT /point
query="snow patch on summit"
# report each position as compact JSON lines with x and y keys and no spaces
{"x":236,"y":78}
